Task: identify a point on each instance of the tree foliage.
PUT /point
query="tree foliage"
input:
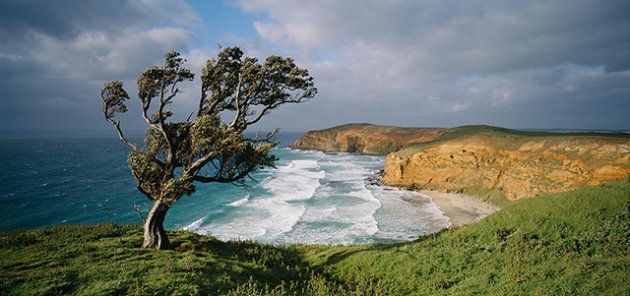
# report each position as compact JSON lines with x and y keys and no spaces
{"x":204,"y":148}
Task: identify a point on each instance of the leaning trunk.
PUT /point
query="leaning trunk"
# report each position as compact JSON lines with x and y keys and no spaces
{"x":154,"y":235}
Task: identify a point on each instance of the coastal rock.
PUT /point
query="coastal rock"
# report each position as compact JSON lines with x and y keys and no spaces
{"x":365,"y":138}
{"x":503,"y":166}
{"x":495,"y":164}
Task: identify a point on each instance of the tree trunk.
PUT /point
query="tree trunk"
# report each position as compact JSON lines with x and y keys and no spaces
{"x":154,"y":235}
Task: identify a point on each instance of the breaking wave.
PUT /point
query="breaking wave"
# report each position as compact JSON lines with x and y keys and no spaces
{"x":314,"y":197}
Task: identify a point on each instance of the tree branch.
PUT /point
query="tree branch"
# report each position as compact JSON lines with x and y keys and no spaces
{"x":169,"y":142}
{"x":190,"y":116}
{"x":137,"y":210}
{"x":145,"y":193}
{"x":213,"y":104}
{"x":260,"y":116}
{"x":217,"y":179}
{"x":204,"y":95}
{"x":171,"y":96}
{"x":237,"y":102}
{"x":121,"y":136}
{"x":267,"y":139}
{"x":145,"y":116}
{"x":194,"y":168}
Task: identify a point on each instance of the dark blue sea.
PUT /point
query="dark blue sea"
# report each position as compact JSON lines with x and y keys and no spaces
{"x":311,"y":197}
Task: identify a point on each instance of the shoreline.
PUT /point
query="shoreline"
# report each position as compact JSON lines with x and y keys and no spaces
{"x":460,"y":209}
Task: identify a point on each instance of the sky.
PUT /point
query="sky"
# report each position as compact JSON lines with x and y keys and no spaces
{"x":515,"y":64}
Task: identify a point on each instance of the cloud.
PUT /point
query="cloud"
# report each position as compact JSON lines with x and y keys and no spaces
{"x":486,"y":61}
{"x":56,"y":55}
{"x":532,"y":64}
{"x":459,"y":107}
{"x":467,"y":36}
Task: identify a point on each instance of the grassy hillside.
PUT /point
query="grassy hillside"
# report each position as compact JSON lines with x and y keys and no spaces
{"x":570,"y":243}
{"x":507,"y":135}
{"x":576,"y":242}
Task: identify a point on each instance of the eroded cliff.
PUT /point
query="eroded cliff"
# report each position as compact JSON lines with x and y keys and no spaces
{"x":495,"y":164}
{"x":365,"y":138}
{"x":499,"y":164}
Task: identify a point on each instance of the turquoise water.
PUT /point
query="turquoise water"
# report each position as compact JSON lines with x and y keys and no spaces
{"x":311,"y":197}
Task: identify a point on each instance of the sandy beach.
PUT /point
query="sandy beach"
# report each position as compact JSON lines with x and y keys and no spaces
{"x":461,"y":209}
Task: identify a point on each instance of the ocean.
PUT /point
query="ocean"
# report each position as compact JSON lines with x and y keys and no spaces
{"x":310,"y":197}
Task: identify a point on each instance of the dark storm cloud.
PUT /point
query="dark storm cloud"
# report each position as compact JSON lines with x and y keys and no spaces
{"x":55,"y":55}
{"x":63,"y":19}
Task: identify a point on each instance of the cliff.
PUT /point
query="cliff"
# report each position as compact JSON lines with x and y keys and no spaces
{"x":495,"y":164}
{"x":505,"y":165}
{"x":365,"y":138}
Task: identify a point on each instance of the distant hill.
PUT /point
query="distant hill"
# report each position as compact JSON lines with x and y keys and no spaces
{"x":365,"y":138}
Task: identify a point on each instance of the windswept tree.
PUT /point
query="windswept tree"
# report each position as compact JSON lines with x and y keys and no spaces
{"x":203,"y":148}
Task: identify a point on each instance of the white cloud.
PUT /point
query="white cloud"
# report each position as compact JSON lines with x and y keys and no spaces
{"x":414,"y":63}
{"x":98,"y":54}
{"x":459,"y":107}
{"x":389,"y":61}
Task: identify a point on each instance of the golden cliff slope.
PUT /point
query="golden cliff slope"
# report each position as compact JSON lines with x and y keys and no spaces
{"x":496,"y":164}
{"x":500,"y":164}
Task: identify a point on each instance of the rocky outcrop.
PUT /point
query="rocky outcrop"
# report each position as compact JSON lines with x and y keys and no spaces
{"x":500,"y":166}
{"x":495,"y":164}
{"x":365,"y":138}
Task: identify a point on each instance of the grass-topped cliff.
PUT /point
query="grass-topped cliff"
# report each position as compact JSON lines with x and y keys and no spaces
{"x":572,"y":243}
{"x":365,"y":138}
{"x":503,"y":165}
{"x":496,"y":164}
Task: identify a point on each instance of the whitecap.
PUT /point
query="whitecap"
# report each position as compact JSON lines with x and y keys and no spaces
{"x":345,"y":208}
{"x":263,"y":222}
{"x":194,"y":226}
{"x":278,"y":210}
{"x":406,"y":214}
{"x":313,"y":197}
{"x":239,"y":202}
{"x":296,"y":181}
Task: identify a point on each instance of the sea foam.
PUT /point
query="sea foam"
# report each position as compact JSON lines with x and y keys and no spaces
{"x":239,"y":202}
{"x":314,"y":197}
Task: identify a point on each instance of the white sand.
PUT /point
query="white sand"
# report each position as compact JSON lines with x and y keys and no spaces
{"x":459,"y":208}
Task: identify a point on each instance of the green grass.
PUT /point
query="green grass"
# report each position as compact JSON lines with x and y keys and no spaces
{"x":561,"y":244}
{"x":571,"y":243}
{"x":504,"y":135}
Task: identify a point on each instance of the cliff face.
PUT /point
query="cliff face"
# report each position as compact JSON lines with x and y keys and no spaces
{"x":365,"y":138}
{"x":497,"y":166}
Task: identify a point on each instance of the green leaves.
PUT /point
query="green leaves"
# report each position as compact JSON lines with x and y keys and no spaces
{"x":205,"y":132}
{"x":113,"y":96}
{"x":146,"y":172}
{"x":161,"y":82}
{"x":232,"y":82}
{"x":220,"y":78}
{"x":149,"y":84}
{"x":206,"y":149}
{"x":174,"y":188}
